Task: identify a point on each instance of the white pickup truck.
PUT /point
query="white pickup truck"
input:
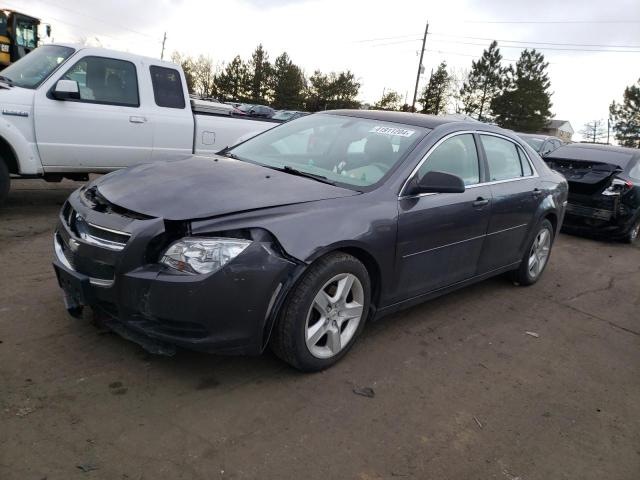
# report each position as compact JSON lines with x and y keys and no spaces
{"x":68,"y":111}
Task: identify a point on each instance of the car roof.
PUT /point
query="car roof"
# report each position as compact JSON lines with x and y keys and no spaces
{"x":407,"y":118}
{"x":534,"y":135}
{"x":610,"y":154}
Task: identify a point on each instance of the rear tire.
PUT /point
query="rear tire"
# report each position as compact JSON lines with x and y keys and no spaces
{"x":634,"y":233}
{"x":324,"y":313}
{"x":5,"y":182}
{"x":536,"y":255}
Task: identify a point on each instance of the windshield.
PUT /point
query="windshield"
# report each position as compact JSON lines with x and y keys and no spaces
{"x":32,"y":69}
{"x":283,"y":115}
{"x":535,"y":143}
{"x":351,"y":151}
{"x":245,"y":107}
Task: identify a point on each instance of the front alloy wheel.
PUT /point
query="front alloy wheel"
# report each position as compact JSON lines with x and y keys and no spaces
{"x":334,"y":315}
{"x":323,"y":314}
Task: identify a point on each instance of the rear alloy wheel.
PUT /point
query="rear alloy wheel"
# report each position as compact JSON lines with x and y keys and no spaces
{"x":536,"y":255}
{"x":634,"y":233}
{"x":323,"y":314}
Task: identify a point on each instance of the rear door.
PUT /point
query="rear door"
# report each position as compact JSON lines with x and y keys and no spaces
{"x":105,"y":129}
{"x":516,"y":197}
{"x":440,"y":236}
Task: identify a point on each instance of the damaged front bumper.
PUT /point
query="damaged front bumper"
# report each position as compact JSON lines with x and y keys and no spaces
{"x":599,"y":215}
{"x":228,"y":311}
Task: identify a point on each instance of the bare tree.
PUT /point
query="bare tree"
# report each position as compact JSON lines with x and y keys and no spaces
{"x":204,"y":76}
{"x":594,"y":131}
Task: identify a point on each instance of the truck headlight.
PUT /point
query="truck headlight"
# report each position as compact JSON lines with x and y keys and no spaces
{"x":202,"y":255}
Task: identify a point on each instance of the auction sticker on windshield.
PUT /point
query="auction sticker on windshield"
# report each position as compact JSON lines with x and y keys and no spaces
{"x":399,"y":132}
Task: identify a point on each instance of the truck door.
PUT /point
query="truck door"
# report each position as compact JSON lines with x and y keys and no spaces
{"x":105,"y":129}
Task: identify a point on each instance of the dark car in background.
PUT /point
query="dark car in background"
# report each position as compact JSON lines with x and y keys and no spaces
{"x":260,"y":111}
{"x":604,"y":189}
{"x":288,"y":115}
{"x":542,"y":144}
{"x":298,"y":236}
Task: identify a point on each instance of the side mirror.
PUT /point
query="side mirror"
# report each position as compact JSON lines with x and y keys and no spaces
{"x":66,"y":90}
{"x":438,"y":182}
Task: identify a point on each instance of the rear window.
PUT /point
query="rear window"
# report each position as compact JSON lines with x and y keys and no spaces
{"x":167,"y":87}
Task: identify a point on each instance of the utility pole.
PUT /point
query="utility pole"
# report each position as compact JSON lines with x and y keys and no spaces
{"x":415,"y":92}
{"x":608,"y":129}
{"x":163,"y":41}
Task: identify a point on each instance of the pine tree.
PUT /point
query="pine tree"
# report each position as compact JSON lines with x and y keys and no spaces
{"x":288,"y":84}
{"x":626,"y":117}
{"x":525,"y":102}
{"x":336,"y":90}
{"x":436,"y":94}
{"x":483,"y":84}
{"x":259,"y":75}
{"x":232,"y":81}
{"x":188,"y":67}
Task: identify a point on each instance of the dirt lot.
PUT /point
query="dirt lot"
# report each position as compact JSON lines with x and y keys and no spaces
{"x":461,"y":392}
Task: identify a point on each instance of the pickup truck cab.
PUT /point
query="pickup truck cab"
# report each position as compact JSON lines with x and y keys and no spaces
{"x":67,"y":111}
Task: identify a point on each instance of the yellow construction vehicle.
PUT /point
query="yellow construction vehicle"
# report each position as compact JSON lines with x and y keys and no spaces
{"x":18,"y":35}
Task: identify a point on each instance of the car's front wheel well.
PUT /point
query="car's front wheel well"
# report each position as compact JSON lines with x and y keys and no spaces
{"x":373,"y":269}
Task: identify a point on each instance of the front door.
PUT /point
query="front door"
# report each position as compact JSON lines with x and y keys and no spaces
{"x":106,"y":127}
{"x":440,"y":236}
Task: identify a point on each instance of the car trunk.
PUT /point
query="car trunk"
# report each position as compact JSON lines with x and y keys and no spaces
{"x":587,"y":181}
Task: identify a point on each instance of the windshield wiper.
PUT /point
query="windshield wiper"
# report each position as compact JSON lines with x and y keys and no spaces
{"x":6,"y":80}
{"x":300,"y":173}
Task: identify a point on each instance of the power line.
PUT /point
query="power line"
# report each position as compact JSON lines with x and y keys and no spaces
{"x":55,"y":4}
{"x":540,"y":48}
{"x":550,"y":21}
{"x":539,"y":43}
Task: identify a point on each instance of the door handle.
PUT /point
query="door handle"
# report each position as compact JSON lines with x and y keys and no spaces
{"x":536,"y":192}
{"x":136,"y":119}
{"x":480,"y":202}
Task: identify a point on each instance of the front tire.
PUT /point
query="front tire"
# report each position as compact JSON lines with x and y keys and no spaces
{"x":536,"y":255}
{"x":5,"y":181}
{"x":324,"y":313}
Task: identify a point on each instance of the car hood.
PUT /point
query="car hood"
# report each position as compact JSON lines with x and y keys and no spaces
{"x":202,"y":187}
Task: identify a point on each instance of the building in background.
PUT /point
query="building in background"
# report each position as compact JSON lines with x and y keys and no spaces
{"x":559,"y":128}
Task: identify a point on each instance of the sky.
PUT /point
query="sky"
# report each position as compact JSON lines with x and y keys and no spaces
{"x":378,"y":40}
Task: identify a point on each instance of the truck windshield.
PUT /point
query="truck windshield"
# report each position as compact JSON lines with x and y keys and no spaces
{"x":32,"y":69}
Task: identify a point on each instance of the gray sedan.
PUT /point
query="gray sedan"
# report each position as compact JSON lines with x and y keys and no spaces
{"x":296,"y":238}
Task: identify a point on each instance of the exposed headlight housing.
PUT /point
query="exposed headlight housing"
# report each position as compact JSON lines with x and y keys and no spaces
{"x":202,"y":255}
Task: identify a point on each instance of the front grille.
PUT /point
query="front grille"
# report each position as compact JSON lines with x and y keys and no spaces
{"x":94,"y":234}
{"x":85,"y":265}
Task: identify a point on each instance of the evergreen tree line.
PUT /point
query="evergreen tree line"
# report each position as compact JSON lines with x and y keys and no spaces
{"x":625,"y":117}
{"x":282,"y":84}
{"x":514,"y":96}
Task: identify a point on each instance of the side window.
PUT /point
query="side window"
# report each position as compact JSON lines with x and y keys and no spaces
{"x":527,"y":171}
{"x":106,"y":80}
{"x":167,"y":87}
{"x":457,"y":156}
{"x":502,"y":157}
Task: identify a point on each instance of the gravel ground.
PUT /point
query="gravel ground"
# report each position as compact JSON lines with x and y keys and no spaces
{"x":461,"y":391}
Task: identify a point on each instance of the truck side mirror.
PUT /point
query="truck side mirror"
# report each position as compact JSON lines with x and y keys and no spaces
{"x":66,"y":90}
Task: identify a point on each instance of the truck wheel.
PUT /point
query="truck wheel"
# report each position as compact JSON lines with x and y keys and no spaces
{"x":5,"y":182}
{"x":536,"y":255}
{"x":324,"y":314}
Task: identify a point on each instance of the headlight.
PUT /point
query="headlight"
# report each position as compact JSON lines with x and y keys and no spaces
{"x":202,"y":255}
